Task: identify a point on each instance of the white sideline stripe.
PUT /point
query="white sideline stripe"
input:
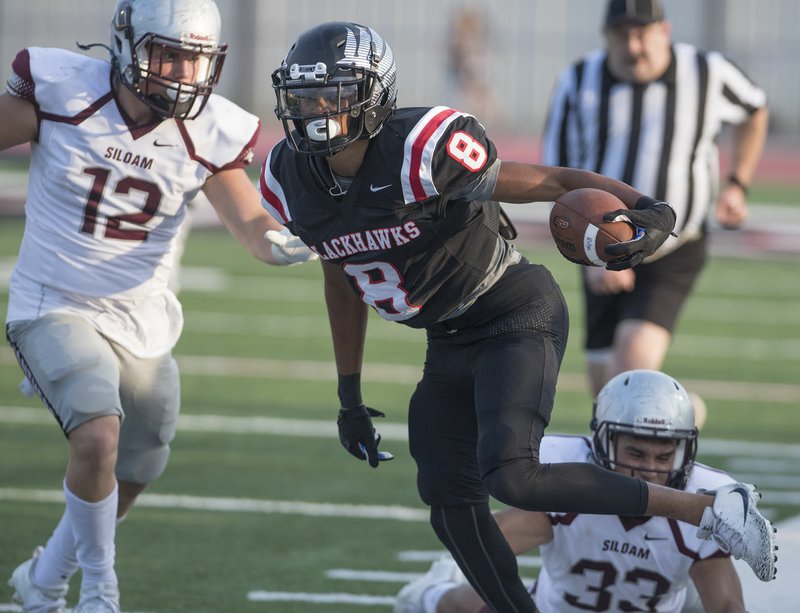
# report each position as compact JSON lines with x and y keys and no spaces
{"x":377,"y":372}
{"x":415,"y":555}
{"x":317,"y":598}
{"x":239,"y":505}
{"x":15,"y":608}
{"x":220,"y":423}
{"x":299,"y":326}
{"x":762,"y":480}
{"x":315,"y":428}
{"x":712,"y":446}
{"x":285,"y":507}
{"x":382,"y":576}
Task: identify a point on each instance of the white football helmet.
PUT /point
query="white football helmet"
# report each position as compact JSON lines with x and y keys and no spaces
{"x":146,"y":32}
{"x":650,"y":404}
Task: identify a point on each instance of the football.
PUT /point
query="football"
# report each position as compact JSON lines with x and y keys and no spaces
{"x":578,"y":229}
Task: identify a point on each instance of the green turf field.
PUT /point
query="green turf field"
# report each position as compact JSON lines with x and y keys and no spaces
{"x":260,"y":510}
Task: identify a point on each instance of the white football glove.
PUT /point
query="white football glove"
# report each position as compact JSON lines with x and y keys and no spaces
{"x":288,"y":249}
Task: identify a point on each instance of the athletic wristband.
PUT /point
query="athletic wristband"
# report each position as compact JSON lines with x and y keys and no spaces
{"x":646,"y":202}
{"x":734,"y":180}
{"x":350,"y":391}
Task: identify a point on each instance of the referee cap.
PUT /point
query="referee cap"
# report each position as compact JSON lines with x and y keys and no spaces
{"x":640,"y":12}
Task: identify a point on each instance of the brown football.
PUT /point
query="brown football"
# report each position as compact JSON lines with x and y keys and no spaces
{"x":578,"y":229}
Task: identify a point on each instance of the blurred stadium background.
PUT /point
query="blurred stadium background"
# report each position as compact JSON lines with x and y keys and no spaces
{"x":527,"y":43}
{"x":260,"y":510}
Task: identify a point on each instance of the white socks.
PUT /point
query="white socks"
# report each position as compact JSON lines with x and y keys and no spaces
{"x":432,"y":596}
{"x":94,"y":527}
{"x":57,"y":563}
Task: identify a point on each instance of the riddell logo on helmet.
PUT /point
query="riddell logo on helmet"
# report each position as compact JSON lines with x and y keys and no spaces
{"x":206,"y":38}
{"x":644,"y":420}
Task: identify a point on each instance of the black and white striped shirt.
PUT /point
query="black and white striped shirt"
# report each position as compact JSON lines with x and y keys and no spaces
{"x":660,"y":136}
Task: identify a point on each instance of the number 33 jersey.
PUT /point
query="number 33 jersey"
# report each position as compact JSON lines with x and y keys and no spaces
{"x":612,"y":563}
{"x":106,"y":198}
{"x":413,"y":249}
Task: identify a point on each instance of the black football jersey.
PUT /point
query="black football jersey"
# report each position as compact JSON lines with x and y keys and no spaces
{"x":411,"y":251}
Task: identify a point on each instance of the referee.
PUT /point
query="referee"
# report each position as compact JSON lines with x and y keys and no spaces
{"x":649,"y":111}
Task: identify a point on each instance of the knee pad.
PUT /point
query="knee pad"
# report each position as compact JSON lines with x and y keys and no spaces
{"x":142,"y":466}
{"x":150,"y":395}
{"x":144,"y":446}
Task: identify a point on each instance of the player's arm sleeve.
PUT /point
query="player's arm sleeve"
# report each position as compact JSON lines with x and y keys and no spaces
{"x":18,"y":109}
{"x":21,"y":83}
{"x":246,"y":155}
{"x":462,"y":158}
{"x":273,"y":198}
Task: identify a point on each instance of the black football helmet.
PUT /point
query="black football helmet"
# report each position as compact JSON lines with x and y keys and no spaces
{"x":650,"y":404}
{"x":336,"y":85}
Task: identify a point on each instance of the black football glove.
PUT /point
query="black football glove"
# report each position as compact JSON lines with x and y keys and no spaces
{"x":654,"y":223}
{"x":358,"y":436}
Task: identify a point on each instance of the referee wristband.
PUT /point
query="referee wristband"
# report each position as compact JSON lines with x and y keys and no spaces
{"x":734,"y":180}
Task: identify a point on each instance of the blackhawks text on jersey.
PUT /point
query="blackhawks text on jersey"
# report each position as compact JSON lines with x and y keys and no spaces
{"x":412,"y":249}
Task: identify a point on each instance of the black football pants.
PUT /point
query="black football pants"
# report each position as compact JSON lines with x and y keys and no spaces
{"x":476,"y":421}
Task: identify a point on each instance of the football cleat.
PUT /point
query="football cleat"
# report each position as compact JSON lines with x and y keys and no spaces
{"x":99,"y":598}
{"x":35,"y":599}
{"x":443,"y":570}
{"x":738,"y":527}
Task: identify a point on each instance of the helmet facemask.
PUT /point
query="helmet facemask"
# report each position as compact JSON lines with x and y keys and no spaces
{"x":322,"y":115}
{"x":172,"y":97}
{"x":606,"y":452}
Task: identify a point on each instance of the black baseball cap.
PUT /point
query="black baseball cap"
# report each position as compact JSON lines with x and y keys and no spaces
{"x":640,"y":12}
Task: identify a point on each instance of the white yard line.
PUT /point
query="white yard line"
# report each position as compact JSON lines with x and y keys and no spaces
{"x":320,"y":598}
{"x":240,"y":505}
{"x":377,"y":372}
{"x":318,"y":428}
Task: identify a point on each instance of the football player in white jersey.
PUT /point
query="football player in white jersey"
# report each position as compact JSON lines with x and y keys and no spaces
{"x":643,"y":426}
{"x":117,"y":150}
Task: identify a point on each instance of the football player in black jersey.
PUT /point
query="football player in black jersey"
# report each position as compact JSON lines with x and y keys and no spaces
{"x":401,"y":206}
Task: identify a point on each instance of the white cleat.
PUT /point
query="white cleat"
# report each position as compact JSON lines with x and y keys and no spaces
{"x":739,"y":528}
{"x":35,"y":599}
{"x":443,"y":570}
{"x":99,"y":598}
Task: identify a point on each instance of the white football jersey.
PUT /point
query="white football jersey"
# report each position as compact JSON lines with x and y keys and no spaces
{"x":106,"y":198}
{"x":612,"y":563}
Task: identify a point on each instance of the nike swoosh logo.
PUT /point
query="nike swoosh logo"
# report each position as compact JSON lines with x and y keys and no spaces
{"x":157,"y":144}
{"x":647,"y":537}
{"x":373,"y":188}
{"x":745,"y":500}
